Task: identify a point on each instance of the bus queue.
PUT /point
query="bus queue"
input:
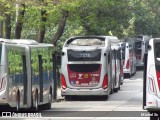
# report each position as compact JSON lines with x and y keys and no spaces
{"x":96,"y":65}
{"x":90,"y":66}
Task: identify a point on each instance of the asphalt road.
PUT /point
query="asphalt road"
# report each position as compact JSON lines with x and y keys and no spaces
{"x":126,"y":103}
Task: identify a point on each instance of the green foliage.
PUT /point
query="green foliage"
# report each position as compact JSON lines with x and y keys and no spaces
{"x":120,"y":18}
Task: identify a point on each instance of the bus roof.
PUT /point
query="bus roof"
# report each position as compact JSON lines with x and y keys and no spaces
{"x":19,"y":41}
{"x":28,"y":42}
{"x":101,"y":38}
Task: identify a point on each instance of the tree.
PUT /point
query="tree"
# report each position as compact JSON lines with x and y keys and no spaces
{"x":61,"y":27}
{"x":19,"y":20}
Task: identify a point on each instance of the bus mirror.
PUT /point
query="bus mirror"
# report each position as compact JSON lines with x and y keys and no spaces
{"x":104,"y":54}
{"x":62,"y":53}
{"x":149,"y":47}
{"x":158,"y":59}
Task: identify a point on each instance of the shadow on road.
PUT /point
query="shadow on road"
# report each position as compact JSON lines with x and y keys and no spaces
{"x":86,"y":98}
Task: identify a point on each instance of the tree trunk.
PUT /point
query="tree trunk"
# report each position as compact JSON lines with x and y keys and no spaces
{"x":19,"y":22}
{"x":1,"y":29}
{"x":60,"y":27}
{"x":42,"y":27}
{"x":8,"y":26}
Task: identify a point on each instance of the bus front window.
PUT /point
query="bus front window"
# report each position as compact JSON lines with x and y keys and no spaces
{"x":157,"y":46}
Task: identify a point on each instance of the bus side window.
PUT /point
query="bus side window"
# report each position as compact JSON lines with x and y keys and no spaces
{"x":25,"y":77}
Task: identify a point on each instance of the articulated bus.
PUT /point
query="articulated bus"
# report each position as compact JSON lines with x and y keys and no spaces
{"x":141,"y":43}
{"x":26,"y":74}
{"x":86,"y":66}
{"x":151,"y":82}
{"x":129,"y":66}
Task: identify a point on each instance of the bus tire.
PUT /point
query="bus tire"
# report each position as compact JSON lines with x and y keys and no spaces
{"x":68,"y":97}
{"x":105,"y":97}
{"x":115,"y":89}
{"x":111,"y":91}
{"x":119,"y":87}
{"x":36,"y":101}
{"x":18,"y":101}
{"x":129,"y":75}
{"x":49,"y":104}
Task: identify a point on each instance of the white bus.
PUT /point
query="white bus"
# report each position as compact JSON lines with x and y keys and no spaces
{"x":141,"y":43}
{"x":116,"y":64}
{"x":116,"y":49}
{"x":129,"y":66}
{"x":86,"y":66}
{"x":26,"y":74}
{"x":151,"y":81}
{"x":122,"y":58}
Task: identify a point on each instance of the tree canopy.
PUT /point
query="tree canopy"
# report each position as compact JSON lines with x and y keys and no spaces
{"x":53,"y":21}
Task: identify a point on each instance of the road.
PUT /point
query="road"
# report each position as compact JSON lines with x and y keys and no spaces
{"x":125,"y":103}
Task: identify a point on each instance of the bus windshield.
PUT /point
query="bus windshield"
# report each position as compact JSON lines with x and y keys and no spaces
{"x":138,"y":44}
{"x":157,"y":55}
{"x":138,"y":50}
{"x":87,"y":42}
{"x":123,"y":50}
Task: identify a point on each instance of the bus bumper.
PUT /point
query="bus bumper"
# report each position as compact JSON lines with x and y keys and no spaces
{"x":126,"y":71}
{"x":152,"y":103}
{"x":99,"y":92}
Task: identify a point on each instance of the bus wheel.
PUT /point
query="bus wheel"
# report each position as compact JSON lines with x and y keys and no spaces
{"x":129,"y":75}
{"x":68,"y":97}
{"x":49,"y":104}
{"x":111,"y":91}
{"x":105,"y":97}
{"x":115,"y":89}
{"x":18,"y":102}
{"x":36,"y":101}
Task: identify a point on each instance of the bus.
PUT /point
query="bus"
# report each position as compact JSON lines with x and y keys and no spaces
{"x":141,"y":43}
{"x":122,"y":58}
{"x":151,"y":83}
{"x":116,"y":66}
{"x":26,"y":74}
{"x":86,"y":66}
{"x":129,"y":66}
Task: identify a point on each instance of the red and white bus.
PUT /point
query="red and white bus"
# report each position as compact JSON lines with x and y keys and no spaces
{"x":141,"y":43}
{"x":86,"y":66}
{"x":151,"y":82}
{"x":129,"y":66}
{"x":122,"y":54}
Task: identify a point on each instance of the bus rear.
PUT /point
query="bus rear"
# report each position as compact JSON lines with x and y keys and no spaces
{"x":129,"y":66}
{"x":84,"y":67}
{"x":141,"y":43}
